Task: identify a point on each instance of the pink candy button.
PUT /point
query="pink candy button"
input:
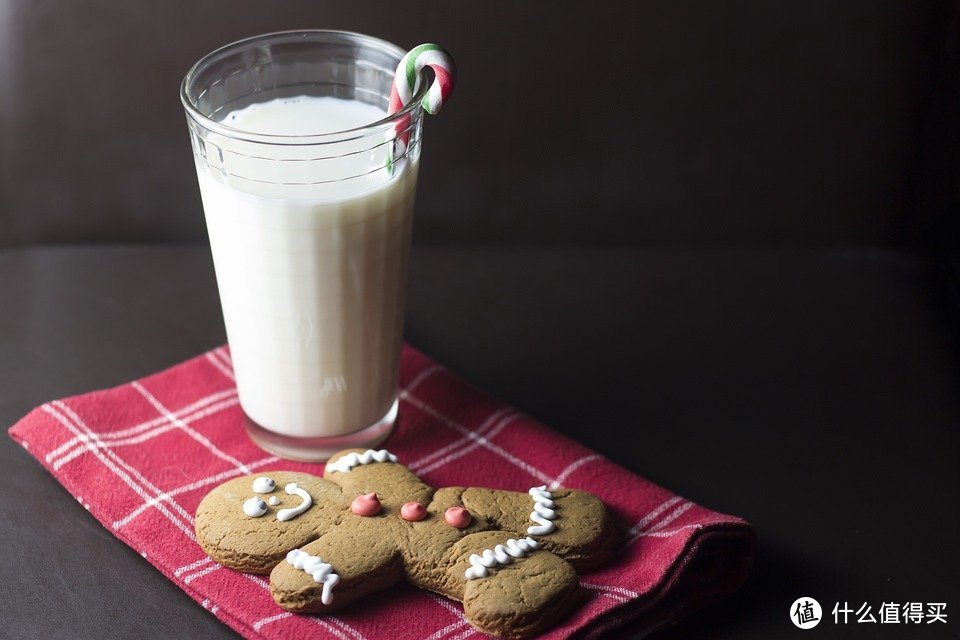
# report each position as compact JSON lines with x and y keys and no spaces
{"x":413,"y":512}
{"x":458,"y":517}
{"x":366,"y":505}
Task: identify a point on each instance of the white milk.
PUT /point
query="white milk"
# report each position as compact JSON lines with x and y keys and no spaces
{"x":312,"y":278}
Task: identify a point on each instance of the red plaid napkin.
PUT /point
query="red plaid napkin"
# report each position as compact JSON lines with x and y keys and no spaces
{"x":141,"y":456}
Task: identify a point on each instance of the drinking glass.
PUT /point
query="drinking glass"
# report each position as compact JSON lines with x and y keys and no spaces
{"x":310,"y":236}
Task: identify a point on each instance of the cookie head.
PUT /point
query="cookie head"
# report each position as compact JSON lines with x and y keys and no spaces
{"x":251,"y":522}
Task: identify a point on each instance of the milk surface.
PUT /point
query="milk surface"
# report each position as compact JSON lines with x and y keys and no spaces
{"x":312,"y":273}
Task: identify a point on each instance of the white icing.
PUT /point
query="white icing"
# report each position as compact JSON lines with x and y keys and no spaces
{"x":345,"y":463}
{"x":498,"y":556}
{"x":294,"y":489}
{"x":318,"y":569}
{"x":543,"y":511}
{"x":273,"y":501}
{"x":255,"y":507}
{"x":263,"y":484}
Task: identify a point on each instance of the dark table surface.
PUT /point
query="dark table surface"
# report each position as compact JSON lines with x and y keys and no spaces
{"x":813,"y":392}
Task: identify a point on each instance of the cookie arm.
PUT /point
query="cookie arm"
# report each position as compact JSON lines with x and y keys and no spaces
{"x":360,"y":471}
{"x":345,"y":564}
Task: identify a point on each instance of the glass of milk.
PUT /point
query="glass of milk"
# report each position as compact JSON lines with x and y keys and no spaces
{"x":308,"y":197}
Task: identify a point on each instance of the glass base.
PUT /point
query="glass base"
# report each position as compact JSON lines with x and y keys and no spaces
{"x":320,"y":449}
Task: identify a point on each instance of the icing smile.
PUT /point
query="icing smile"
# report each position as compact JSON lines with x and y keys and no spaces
{"x":288,"y":514}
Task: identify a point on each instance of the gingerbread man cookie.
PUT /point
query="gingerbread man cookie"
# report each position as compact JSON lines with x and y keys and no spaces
{"x":511,"y":558}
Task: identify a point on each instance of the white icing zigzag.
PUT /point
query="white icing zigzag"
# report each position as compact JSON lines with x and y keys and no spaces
{"x":353,"y":459}
{"x":318,"y":569}
{"x":499,"y":555}
{"x":543,"y":511}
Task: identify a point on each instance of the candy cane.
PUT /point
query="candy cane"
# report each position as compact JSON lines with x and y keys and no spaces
{"x":407,"y":79}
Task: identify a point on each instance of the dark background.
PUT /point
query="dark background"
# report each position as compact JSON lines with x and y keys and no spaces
{"x":714,"y":241}
{"x":632,"y":124}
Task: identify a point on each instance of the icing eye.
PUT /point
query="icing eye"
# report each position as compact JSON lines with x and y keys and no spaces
{"x":263,"y":484}
{"x":255,"y":507}
{"x":273,"y":501}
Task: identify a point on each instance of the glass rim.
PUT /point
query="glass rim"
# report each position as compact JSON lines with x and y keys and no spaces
{"x":329,"y":137}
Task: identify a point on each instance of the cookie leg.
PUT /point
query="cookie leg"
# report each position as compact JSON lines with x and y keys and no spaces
{"x":331,"y":572}
{"x":523,"y":591}
{"x":573,"y":524}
